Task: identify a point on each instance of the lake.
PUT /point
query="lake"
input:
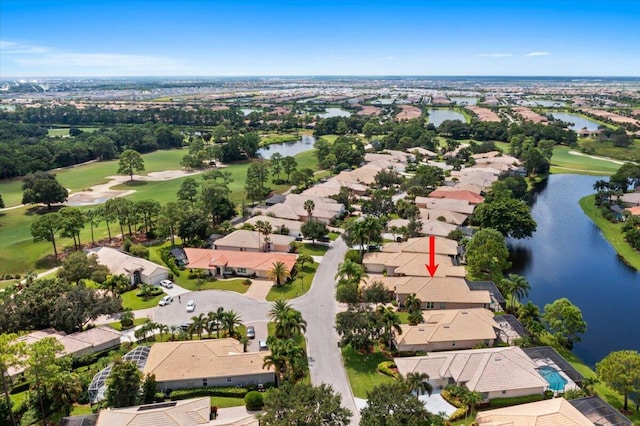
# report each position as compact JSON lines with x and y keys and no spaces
{"x":289,"y":148}
{"x":335,"y":112}
{"x":578,"y":122}
{"x":437,"y":116}
{"x":568,"y":257}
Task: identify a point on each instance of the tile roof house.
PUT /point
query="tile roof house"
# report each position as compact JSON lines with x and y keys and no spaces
{"x":448,"y":329}
{"x":469,"y":196}
{"x":412,"y":264}
{"x":228,"y":262}
{"x":435,"y":292}
{"x":82,"y":342}
{"x":494,"y":372}
{"x":556,"y":411}
{"x":437,"y":228}
{"x":277,"y":224}
{"x":449,"y":216}
{"x":458,"y":206}
{"x":197,"y":363}
{"x":187,"y":412}
{"x":254,"y":241}
{"x":421,"y":244}
{"x":137,"y":269}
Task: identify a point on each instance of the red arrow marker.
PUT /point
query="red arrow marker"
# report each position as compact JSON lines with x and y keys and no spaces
{"x":432,"y":267}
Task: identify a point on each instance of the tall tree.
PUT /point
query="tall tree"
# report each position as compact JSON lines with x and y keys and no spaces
{"x":303,"y":259}
{"x":621,"y":371}
{"x":169,"y":219}
{"x":123,"y":384}
{"x":289,"y":164}
{"x":309,"y":206}
{"x":516,"y":286}
{"x":391,"y":323}
{"x":43,"y":187}
{"x":230,"y":322}
{"x":313,"y":229}
{"x":304,"y":404}
{"x":11,"y":356}
{"x":188,"y":190}
{"x":278,"y":273}
{"x":216,"y":202}
{"x":73,"y":221}
{"x":391,"y":404}
{"x":276,"y":165}
{"x":129,"y":162}
{"x":417,"y":383}
{"x":42,"y":368}
{"x":362,"y":232}
{"x":94,"y":217}
{"x":507,"y":215}
{"x":564,"y":321}
{"x":487,"y":254}
{"x":45,"y":228}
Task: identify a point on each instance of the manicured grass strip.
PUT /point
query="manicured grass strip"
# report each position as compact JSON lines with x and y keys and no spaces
{"x":81,"y":410}
{"x":563,"y":162}
{"x":225,"y":402}
{"x":273,"y":138}
{"x":312,"y":249}
{"x":297,"y":287}
{"x":611,"y":231}
{"x":361,"y":370}
{"x":133,"y":302}
{"x":136,"y":322}
{"x":236,"y":284}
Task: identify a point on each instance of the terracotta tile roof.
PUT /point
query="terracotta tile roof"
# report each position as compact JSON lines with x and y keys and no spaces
{"x":207,"y":259}
{"x":434,"y":289}
{"x":187,"y":412}
{"x":469,"y":196}
{"x":450,"y":325}
{"x":634,"y":210}
{"x":551,"y":412}
{"x":195,"y":359}
{"x":483,"y":370}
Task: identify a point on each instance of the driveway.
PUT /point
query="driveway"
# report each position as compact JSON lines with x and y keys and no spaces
{"x":209,"y":300}
{"x":318,"y":308}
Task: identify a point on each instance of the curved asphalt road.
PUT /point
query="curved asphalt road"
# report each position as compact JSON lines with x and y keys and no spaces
{"x":318,"y":308}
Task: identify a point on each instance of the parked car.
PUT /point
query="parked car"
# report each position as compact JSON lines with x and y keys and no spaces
{"x":166,"y":283}
{"x":185,"y":325}
{"x":251,"y":332}
{"x":191,"y":306}
{"x":262,"y":345}
{"x":165,"y":301}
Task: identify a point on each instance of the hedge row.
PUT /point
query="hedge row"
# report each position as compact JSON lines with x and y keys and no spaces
{"x":233,"y":392}
{"x":516,"y":400}
{"x":169,"y":260}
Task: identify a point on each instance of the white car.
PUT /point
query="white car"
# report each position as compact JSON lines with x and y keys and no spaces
{"x":165,"y":301}
{"x":166,"y":283}
{"x":191,"y":306}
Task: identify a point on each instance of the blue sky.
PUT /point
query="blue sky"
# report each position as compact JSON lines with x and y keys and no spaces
{"x":348,"y":37}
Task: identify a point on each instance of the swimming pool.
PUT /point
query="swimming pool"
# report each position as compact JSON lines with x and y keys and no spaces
{"x":551,"y":375}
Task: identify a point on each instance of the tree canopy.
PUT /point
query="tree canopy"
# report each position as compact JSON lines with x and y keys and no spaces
{"x":43,"y":187}
{"x":564,"y":321}
{"x":129,"y":162}
{"x":487,"y":254}
{"x":621,"y":371}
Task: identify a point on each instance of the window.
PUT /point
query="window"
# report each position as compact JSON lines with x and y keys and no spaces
{"x":228,"y":379}
{"x":431,"y":305}
{"x":204,"y":382}
{"x":242,"y":270}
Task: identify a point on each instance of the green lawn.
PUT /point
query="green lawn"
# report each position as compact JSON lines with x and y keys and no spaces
{"x":15,"y":225}
{"x":81,"y":410}
{"x":235,"y":284}
{"x":272,"y":138}
{"x":136,"y":322}
{"x":611,"y":231}
{"x":133,"y":302}
{"x":225,"y":402}
{"x":312,"y":249}
{"x":606,"y":149}
{"x":296,"y":288}
{"x":563,"y":162}
{"x":361,"y":370}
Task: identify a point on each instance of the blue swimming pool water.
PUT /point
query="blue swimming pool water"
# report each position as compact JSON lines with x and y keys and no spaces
{"x":551,"y":375}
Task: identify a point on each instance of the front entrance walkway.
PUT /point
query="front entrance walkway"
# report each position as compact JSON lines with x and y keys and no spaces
{"x":259,"y":289}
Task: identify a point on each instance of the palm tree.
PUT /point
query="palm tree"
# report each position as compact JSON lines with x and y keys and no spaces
{"x":415,"y":317}
{"x":276,"y":359}
{"x":291,"y":324}
{"x":162,"y":329}
{"x":264,"y":228}
{"x":279,"y":273}
{"x":471,"y":399}
{"x":600,"y":185}
{"x":278,"y":309}
{"x":412,"y":303}
{"x":309,"y":206}
{"x":362,"y":232}
{"x":418,"y":383}
{"x":588,"y":385}
{"x":116,"y":284}
{"x":215,"y":320}
{"x":244,"y":340}
{"x":519,"y":288}
{"x":390,"y":322}
{"x":351,"y":272}
{"x":528,"y":313}
{"x":230,"y":322}
{"x":300,"y":262}
{"x":199,"y":323}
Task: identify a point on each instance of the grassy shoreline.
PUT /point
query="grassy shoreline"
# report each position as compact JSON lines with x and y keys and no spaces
{"x":611,"y":231}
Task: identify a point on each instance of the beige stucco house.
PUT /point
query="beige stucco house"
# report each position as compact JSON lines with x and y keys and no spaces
{"x":137,"y":269}
{"x":254,"y":241}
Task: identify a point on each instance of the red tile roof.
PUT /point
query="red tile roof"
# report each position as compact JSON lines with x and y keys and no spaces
{"x":207,"y":259}
{"x":469,"y":196}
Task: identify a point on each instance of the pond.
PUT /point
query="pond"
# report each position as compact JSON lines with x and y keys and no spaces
{"x":577,"y":121}
{"x":335,"y":112}
{"x":437,"y":116}
{"x":289,"y":148}
{"x":568,"y":257}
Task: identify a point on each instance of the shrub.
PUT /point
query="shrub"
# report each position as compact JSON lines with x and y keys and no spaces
{"x":139,"y":250}
{"x":387,"y":367}
{"x":208,"y":391}
{"x":247,"y":281}
{"x":516,"y":400}
{"x":458,"y":414}
{"x":254,"y":401}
